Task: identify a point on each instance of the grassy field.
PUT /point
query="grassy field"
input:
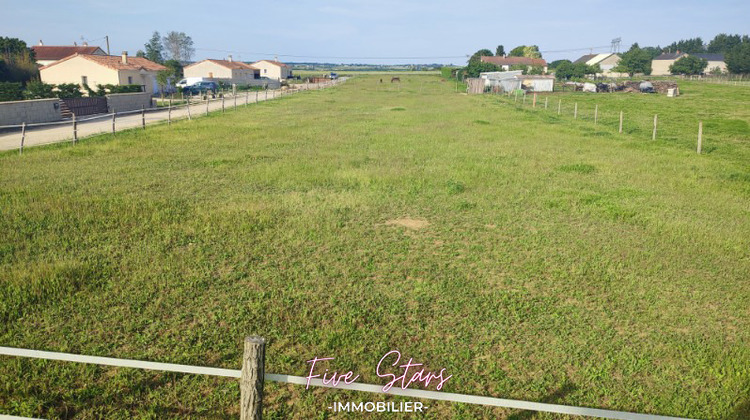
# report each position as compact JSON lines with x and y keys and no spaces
{"x":532,"y":256}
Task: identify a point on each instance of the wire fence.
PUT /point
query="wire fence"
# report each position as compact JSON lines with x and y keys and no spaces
{"x":252,"y":377}
{"x":608,"y":117}
{"x":20,"y":136}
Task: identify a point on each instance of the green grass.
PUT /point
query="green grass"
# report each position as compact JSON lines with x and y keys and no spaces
{"x":559,"y":261}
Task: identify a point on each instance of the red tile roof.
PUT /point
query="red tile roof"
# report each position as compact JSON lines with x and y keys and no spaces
{"x":234,"y":65}
{"x":277,"y":63}
{"x":115,"y":62}
{"x":58,"y":52}
{"x":510,"y":61}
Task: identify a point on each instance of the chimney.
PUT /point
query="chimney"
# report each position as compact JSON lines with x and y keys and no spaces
{"x":124,"y":57}
{"x":40,"y":42}
{"x":678,"y":52}
{"x":230,"y":58}
{"x":85,"y":44}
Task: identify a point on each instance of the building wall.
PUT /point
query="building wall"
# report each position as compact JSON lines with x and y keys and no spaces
{"x":208,"y":69}
{"x":713,"y":64}
{"x":34,"y":111}
{"x":272,"y":71}
{"x":146,"y":78}
{"x":73,"y":70}
{"x":661,"y":67}
{"x":121,"y":102}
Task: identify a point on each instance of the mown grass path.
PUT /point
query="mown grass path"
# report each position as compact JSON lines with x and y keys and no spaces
{"x":532,"y":257}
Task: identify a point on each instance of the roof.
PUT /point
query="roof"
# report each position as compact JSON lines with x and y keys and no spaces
{"x":534,"y":76}
{"x":585,"y":58}
{"x":234,"y":65}
{"x":114,"y":62}
{"x":274,"y":62}
{"x":669,"y":56}
{"x":509,"y":61}
{"x":58,"y":52}
{"x":710,"y":57}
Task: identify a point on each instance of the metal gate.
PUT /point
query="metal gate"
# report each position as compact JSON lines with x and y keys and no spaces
{"x":83,"y":106}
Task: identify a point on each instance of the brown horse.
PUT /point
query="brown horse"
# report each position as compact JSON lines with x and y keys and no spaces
{"x":395,"y":79}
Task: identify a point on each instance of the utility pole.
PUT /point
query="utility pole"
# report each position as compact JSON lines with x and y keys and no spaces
{"x":107,"y":38}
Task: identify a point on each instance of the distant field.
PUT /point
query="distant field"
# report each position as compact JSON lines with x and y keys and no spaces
{"x":532,"y":256}
{"x":354,"y":73}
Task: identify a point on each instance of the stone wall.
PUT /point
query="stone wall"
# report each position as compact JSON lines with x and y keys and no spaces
{"x":34,"y":111}
{"x":121,"y":102}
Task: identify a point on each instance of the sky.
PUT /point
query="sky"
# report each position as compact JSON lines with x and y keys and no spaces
{"x":377,"y":32}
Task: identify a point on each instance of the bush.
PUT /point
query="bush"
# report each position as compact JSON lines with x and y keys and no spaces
{"x":39,"y":90}
{"x":69,"y":90}
{"x":11,"y":91}
{"x":688,"y":65}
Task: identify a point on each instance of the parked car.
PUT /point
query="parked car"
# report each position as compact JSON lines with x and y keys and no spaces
{"x":201,"y":88}
{"x":188,"y":81}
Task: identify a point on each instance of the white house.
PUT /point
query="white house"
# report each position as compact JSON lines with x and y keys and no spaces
{"x":273,"y":69}
{"x":223,"y":70}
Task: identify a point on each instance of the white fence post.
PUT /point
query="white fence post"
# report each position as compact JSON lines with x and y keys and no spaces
{"x":656,"y":118}
{"x":700,"y":137}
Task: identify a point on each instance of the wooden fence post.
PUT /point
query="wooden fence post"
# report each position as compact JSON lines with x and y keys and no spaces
{"x":575,"y":112}
{"x":620,"y":122}
{"x":23,"y":138}
{"x":235,"y":101}
{"x":207,"y":102}
{"x":247,"y":97}
{"x":559,"y":106}
{"x":533,"y":105}
{"x":169,"y":113}
{"x":524,"y":99}
{"x":114,"y":116}
{"x":596,"y":113}
{"x":700,"y":137}
{"x":256,"y":96}
{"x":188,"y":109}
{"x":251,"y":381}
{"x":143,"y":116}
{"x":546,"y":99}
{"x":656,"y":118}
{"x":75,"y":129}
{"x":222,"y":103}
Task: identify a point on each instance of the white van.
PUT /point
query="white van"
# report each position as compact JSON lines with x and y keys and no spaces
{"x":189,"y":81}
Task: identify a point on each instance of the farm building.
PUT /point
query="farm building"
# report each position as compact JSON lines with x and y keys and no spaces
{"x":505,"y":63}
{"x":273,"y":69}
{"x":48,"y":54}
{"x":537,"y":83}
{"x":606,"y":62}
{"x":224,"y":70}
{"x":660,"y":65}
{"x":501,"y":80}
{"x":92,"y":70}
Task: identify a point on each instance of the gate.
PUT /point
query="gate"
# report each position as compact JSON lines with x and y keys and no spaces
{"x":83,"y":106}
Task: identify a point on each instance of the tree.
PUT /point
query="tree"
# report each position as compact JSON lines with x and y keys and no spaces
{"x":500,"y":51}
{"x":634,"y":61}
{"x":688,"y":65}
{"x":476,"y":57}
{"x":19,"y":64}
{"x":154,"y":48}
{"x":175,"y":67}
{"x":517,"y":52}
{"x":738,"y":58}
{"x":653,"y":51}
{"x":140,"y":53}
{"x":178,"y":46}
{"x":722,"y":43}
{"x":555,"y":64}
{"x":567,"y":70}
{"x":530,"y":51}
{"x":477,"y":67}
{"x":692,"y":45}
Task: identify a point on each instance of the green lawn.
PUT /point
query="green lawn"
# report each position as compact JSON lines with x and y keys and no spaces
{"x":532,"y":256}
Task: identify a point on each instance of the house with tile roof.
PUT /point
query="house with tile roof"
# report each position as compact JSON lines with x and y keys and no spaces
{"x":660,"y":64}
{"x":92,"y":70}
{"x":229,"y":71}
{"x":506,"y":62}
{"x":273,"y":69}
{"x":48,"y":54}
{"x":606,"y":62}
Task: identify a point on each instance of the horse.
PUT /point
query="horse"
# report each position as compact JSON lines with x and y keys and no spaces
{"x":395,"y":79}
{"x":381,"y":80}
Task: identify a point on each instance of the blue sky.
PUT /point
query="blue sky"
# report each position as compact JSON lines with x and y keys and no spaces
{"x":384,"y":31}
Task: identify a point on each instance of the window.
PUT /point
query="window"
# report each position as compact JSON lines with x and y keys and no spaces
{"x":265,"y":70}
{"x":84,"y":80}
{"x":130,"y":80}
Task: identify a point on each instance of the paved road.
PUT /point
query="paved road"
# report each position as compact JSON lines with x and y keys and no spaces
{"x":87,"y":126}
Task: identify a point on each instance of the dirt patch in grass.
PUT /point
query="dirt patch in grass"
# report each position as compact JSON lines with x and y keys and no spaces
{"x":413,"y":224}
